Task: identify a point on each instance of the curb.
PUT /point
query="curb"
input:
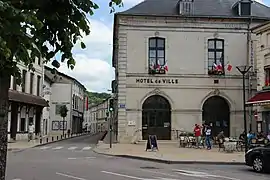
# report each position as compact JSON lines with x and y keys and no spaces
{"x":169,"y":161}
{"x":43,"y":144}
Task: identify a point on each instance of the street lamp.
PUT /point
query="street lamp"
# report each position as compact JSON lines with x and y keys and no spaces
{"x":244,"y":70}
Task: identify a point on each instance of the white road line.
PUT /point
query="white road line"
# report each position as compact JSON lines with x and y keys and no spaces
{"x":46,"y":147}
{"x":86,"y":148}
{"x":90,"y":157}
{"x":201,"y":174}
{"x":123,"y":175}
{"x":58,"y":147}
{"x":70,"y":176}
{"x":157,"y":172}
{"x":72,"y":158}
{"x":16,"y":179}
{"x":72,"y":148}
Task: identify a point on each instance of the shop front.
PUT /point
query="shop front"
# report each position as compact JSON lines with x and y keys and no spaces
{"x":260,"y":102}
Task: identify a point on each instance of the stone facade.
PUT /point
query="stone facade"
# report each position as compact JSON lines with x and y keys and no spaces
{"x":21,"y":111}
{"x":64,"y":90}
{"x":262,"y":52}
{"x":187,"y":84}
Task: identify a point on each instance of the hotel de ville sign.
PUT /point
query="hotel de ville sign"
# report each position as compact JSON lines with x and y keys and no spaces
{"x":156,"y":81}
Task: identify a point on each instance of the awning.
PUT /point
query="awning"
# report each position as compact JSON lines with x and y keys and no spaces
{"x":27,"y":98}
{"x":262,"y":97}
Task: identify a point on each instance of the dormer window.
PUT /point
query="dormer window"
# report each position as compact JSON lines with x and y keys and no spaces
{"x":243,"y":7}
{"x":186,"y":7}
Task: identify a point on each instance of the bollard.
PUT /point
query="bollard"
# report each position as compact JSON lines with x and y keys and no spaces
{"x":61,"y":136}
{"x":47,"y":139}
{"x":52,"y":139}
{"x":40,"y":140}
{"x":65,"y":135}
{"x":57,"y":138}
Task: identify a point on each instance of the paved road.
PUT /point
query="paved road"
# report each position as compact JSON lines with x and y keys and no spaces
{"x":79,"y":164}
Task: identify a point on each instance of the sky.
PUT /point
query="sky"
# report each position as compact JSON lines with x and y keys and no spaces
{"x":93,"y":65}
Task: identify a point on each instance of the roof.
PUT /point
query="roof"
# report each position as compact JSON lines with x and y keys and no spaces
{"x":260,"y":28}
{"x":50,"y":76}
{"x":202,"y":8}
{"x":27,"y":98}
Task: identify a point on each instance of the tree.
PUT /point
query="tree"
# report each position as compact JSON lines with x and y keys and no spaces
{"x":63,"y":113}
{"x":31,"y":29}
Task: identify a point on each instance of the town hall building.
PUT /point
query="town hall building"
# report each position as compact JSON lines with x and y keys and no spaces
{"x":175,"y":66}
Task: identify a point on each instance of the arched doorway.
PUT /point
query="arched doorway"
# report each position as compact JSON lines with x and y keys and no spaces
{"x":156,"y":118}
{"x":216,"y":113}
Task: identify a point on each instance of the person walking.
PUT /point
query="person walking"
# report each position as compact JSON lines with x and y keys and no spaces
{"x":31,"y":129}
{"x":208,"y":133}
{"x":197,"y":133}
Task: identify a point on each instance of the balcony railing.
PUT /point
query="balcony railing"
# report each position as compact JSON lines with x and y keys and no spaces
{"x":212,"y":72}
{"x":157,"y":69}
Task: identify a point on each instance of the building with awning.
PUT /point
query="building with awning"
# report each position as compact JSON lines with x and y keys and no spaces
{"x":26,"y":102}
{"x":261,"y":100}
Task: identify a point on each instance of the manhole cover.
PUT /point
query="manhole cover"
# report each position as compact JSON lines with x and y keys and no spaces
{"x":149,"y":167}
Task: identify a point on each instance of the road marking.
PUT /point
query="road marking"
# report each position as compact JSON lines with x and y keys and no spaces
{"x":59,"y":147}
{"x":72,"y":158}
{"x":162,"y":173}
{"x":70,"y":176}
{"x":46,"y":147}
{"x":72,"y":148}
{"x":86,"y":148}
{"x":123,"y":175}
{"x":16,"y":179}
{"x":201,"y":174}
{"x":90,"y":157}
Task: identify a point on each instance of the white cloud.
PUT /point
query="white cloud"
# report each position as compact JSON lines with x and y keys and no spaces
{"x":92,"y":68}
{"x":95,"y":74}
{"x":132,"y":2}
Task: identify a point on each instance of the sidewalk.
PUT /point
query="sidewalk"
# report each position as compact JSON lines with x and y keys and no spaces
{"x":24,"y":144}
{"x":171,"y":154}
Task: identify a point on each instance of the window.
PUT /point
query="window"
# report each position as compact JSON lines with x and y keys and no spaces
{"x":23,"y":80}
{"x":22,"y":125}
{"x":38,"y":85}
{"x":14,"y":83}
{"x":267,"y":76}
{"x":156,"y":54}
{"x":31,"y":82}
{"x":215,"y":54}
{"x":57,"y":109}
{"x":39,"y":61}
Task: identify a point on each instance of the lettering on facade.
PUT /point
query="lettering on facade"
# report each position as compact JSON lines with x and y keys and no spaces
{"x":156,"y":81}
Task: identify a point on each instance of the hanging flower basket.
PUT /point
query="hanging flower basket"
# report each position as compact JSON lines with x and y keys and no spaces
{"x":215,"y":72}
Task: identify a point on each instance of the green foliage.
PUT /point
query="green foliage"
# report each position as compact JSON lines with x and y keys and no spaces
{"x":96,"y":98}
{"x":63,"y":111}
{"x":32,"y":29}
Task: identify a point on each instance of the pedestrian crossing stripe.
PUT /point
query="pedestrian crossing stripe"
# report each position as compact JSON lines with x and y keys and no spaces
{"x":45,"y":147}
{"x":72,"y":148}
{"x":69,"y":148}
{"x":86,"y":148}
{"x":58,"y":147}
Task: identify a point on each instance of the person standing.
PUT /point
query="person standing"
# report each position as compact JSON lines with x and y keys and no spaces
{"x":208,"y":133}
{"x":197,"y":133}
{"x":31,"y":130}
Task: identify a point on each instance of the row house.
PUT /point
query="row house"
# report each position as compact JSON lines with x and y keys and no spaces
{"x":175,"y":65}
{"x":26,"y":103}
{"x":261,"y":101}
{"x":61,"y":89}
{"x":97,"y":116}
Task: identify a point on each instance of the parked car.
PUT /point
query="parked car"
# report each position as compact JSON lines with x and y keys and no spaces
{"x":259,"y":158}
